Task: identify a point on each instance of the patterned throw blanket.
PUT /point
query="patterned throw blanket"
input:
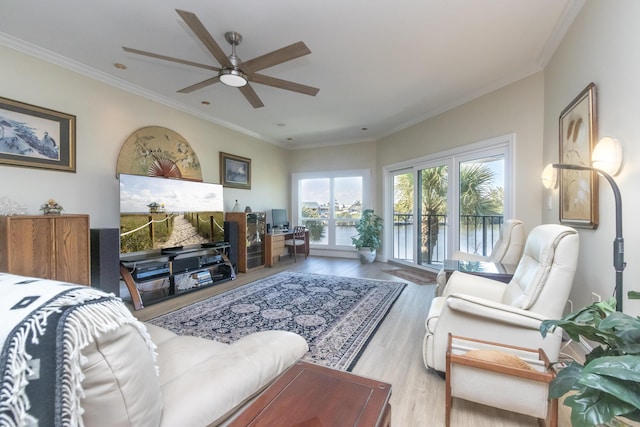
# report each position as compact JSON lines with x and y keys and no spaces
{"x":45,"y":325}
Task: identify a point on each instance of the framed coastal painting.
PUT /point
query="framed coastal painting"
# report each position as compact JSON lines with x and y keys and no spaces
{"x":578,"y":136}
{"x":36,"y":137}
{"x":235,"y":171}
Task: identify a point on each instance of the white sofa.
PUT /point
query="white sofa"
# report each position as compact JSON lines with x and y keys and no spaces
{"x":118,"y":371}
{"x":200,"y":382}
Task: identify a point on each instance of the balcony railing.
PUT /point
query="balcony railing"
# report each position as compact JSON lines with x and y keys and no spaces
{"x":478,"y":235}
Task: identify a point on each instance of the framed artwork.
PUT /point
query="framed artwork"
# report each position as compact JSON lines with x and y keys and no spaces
{"x":235,"y":171}
{"x":578,"y":136}
{"x":36,"y":137}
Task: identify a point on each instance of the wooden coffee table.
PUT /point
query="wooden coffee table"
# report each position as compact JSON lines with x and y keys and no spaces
{"x":311,"y":395}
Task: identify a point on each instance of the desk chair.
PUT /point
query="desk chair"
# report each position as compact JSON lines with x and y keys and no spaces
{"x":297,"y":239}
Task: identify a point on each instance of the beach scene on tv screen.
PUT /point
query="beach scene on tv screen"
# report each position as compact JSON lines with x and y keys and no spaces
{"x":157,"y":213}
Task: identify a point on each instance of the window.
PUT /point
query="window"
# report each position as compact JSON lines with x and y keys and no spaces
{"x":329,"y":205}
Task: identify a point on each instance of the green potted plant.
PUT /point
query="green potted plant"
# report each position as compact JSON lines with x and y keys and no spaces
{"x":367,"y":241}
{"x":607,"y":385}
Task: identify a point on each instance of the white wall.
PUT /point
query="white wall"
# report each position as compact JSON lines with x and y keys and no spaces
{"x":106,"y":116}
{"x":339,"y":157}
{"x":517,"y":108}
{"x":601,"y":47}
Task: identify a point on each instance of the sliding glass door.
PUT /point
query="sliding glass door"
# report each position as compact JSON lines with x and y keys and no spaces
{"x":481,"y":202}
{"x":454,"y":202}
{"x":419,"y":214}
{"x":432,"y":214}
{"x":403,"y":215}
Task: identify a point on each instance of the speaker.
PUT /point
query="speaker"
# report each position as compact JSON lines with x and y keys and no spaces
{"x":268,"y":228}
{"x":231,"y":235}
{"x":105,"y":259}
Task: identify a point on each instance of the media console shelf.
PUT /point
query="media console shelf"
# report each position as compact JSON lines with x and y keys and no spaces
{"x":153,"y":277}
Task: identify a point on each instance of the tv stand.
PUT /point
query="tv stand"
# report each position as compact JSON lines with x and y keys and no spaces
{"x":154,"y":277}
{"x":171,"y":251}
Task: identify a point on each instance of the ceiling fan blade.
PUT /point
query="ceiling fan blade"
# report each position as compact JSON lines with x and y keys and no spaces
{"x":284,"y":84}
{"x":169,"y":58}
{"x":200,"y":85}
{"x":276,"y":57}
{"x":205,"y":37}
{"x":251,"y":96}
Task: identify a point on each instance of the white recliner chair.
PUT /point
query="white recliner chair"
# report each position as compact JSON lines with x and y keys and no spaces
{"x":507,"y":250}
{"x":508,"y":313}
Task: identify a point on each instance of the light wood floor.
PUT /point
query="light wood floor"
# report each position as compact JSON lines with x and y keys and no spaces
{"x":394,"y":354}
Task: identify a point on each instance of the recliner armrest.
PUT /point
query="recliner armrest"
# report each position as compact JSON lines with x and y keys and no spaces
{"x":494,"y":311}
{"x":471,"y":284}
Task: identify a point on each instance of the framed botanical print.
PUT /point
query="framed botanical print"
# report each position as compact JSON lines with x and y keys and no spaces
{"x":235,"y":171}
{"x":578,"y":136}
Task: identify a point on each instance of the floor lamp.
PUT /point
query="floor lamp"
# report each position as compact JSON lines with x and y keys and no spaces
{"x":607,"y":157}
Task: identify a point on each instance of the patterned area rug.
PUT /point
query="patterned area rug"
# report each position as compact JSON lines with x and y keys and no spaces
{"x":336,"y":315}
{"x":413,"y":275}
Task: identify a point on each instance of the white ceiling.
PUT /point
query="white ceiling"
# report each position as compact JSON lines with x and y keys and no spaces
{"x":382,"y":65}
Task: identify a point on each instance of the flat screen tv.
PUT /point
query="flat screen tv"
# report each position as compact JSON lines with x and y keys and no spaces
{"x":158,"y":213}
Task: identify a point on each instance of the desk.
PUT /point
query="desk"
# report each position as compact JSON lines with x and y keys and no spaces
{"x":274,"y":246}
{"x":312,"y":395}
{"x":491,"y":270}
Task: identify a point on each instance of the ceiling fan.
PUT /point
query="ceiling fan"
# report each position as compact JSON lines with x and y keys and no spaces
{"x":234,"y":72}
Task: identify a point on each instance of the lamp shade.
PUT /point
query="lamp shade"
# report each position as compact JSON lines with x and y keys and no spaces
{"x":549,"y":176}
{"x":607,"y":155}
{"x":233,"y":78}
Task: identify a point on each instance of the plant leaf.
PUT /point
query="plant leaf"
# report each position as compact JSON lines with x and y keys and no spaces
{"x":566,"y":380}
{"x":617,"y":376}
{"x":591,"y":407}
{"x":620,"y":321}
{"x":612,"y":389}
{"x":576,"y":330}
{"x":588,"y":409}
{"x":623,"y":367}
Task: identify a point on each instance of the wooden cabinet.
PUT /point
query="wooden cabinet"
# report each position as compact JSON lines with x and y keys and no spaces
{"x":251,"y":228}
{"x":47,"y":246}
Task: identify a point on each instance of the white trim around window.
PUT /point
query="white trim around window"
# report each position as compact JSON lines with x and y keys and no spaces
{"x":330,"y":249}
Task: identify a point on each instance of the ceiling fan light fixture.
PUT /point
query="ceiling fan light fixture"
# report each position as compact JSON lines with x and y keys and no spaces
{"x":233,"y":78}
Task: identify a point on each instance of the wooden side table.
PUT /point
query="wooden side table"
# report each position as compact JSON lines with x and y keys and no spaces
{"x":498,"y":383}
{"x":312,"y":395}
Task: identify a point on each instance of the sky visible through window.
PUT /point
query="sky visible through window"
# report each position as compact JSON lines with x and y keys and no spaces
{"x":137,"y":192}
{"x":347,"y":191}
